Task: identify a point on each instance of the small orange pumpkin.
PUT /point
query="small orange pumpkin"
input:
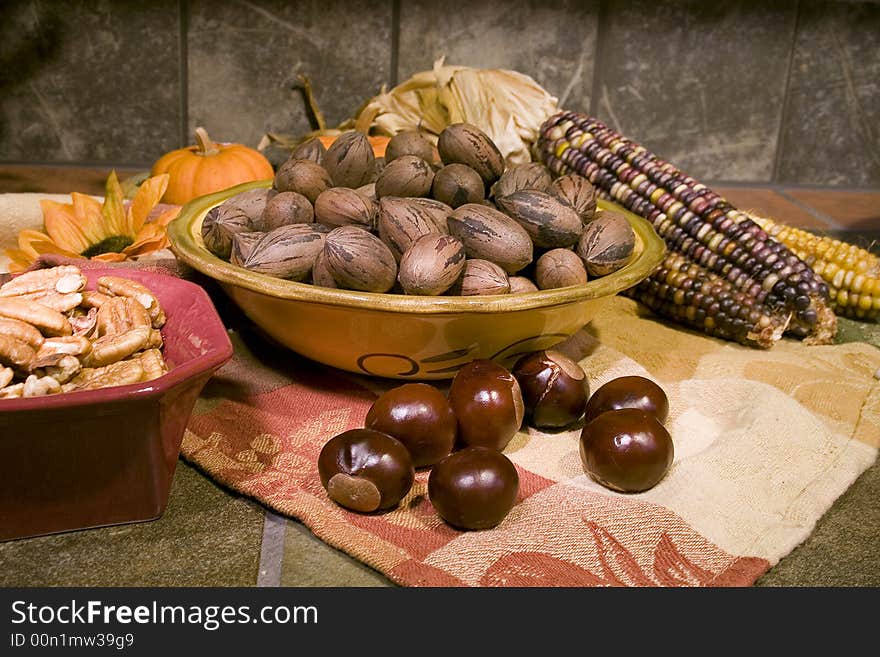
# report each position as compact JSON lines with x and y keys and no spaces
{"x":209,"y":167}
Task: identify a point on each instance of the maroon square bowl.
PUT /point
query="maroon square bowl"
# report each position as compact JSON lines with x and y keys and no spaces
{"x":104,"y":457}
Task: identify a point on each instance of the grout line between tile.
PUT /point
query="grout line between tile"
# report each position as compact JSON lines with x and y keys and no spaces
{"x":395,"y":44}
{"x":821,"y":216}
{"x":183,"y":72}
{"x":786,"y":99}
{"x":809,"y":187}
{"x":599,"y":59}
{"x":272,"y":550}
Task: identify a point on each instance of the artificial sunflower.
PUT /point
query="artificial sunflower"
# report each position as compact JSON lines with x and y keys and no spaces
{"x":87,"y":228}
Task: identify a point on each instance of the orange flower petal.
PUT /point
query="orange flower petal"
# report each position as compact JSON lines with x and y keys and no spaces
{"x":109,"y":257}
{"x":148,"y":195}
{"x":74,"y":226}
{"x":116,"y":220}
{"x":151,"y":238}
{"x":62,"y":225}
{"x":48,"y":246}
{"x":28,"y":236}
{"x":84,"y":207}
{"x":167,"y":216}
{"x":32,"y":244}
{"x":56,"y":207}
{"x":87,"y":213}
{"x":18,"y":260}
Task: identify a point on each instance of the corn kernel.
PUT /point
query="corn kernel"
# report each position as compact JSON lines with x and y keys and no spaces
{"x":857,"y":282}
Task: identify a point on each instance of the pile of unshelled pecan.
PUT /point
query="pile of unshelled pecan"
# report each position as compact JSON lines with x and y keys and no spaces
{"x":57,"y":336}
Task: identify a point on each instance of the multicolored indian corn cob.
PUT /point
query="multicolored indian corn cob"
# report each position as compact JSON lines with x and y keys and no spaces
{"x":693,"y":220}
{"x":684,"y":291}
{"x":852,"y":273}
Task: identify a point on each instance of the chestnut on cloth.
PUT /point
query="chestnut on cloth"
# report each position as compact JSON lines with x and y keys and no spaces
{"x":765,"y":441}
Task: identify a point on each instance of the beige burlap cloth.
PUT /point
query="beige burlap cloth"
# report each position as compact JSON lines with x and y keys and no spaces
{"x":765,"y":441}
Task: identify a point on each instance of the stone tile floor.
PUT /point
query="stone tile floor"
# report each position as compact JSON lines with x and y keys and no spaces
{"x":209,"y":537}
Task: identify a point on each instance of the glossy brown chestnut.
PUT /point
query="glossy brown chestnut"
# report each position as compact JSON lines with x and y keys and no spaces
{"x":419,"y":416}
{"x":626,"y":450}
{"x":629,"y":392}
{"x":488,"y":403}
{"x":365,"y":470}
{"x":555,"y":388}
{"x":474,"y":488}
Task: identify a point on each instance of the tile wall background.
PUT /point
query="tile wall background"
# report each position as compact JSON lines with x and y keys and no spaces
{"x":739,"y":91}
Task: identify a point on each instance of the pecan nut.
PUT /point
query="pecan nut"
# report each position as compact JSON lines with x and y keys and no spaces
{"x":15,"y":353}
{"x":6,"y":376}
{"x":123,"y":287}
{"x":111,"y":348}
{"x":47,"y":320}
{"x":116,"y":374}
{"x":121,"y":314}
{"x":64,"y":368}
{"x":15,"y":328}
{"x":12,"y":391}
{"x":94,"y":299}
{"x":38,"y":386}
{"x":85,"y":325}
{"x":71,"y":345}
{"x":155,"y":341}
{"x":64,"y":279}
{"x":153,"y":364}
{"x":63,"y":303}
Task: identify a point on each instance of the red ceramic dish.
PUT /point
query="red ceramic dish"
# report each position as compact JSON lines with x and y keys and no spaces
{"x":103,"y":457}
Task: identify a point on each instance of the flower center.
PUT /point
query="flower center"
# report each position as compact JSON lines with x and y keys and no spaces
{"x":113,"y":244}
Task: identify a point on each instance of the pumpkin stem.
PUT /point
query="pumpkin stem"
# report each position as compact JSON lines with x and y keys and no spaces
{"x":206,"y":144}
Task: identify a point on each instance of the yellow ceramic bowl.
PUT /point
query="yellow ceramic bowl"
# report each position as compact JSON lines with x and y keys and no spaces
{"x":400,"y":336}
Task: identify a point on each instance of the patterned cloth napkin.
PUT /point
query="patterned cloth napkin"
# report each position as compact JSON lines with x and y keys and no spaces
{"x":765,"y":441}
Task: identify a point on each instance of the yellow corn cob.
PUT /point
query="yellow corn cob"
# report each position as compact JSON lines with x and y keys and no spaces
{"x":852,"y":273}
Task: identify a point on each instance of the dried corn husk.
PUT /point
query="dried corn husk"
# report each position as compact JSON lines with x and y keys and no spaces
{"x":508,"y":106}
